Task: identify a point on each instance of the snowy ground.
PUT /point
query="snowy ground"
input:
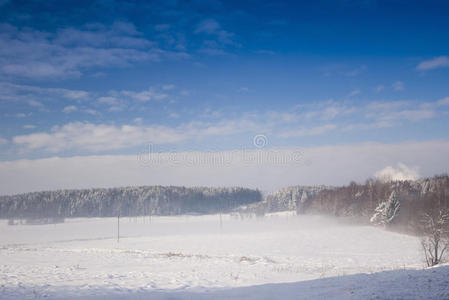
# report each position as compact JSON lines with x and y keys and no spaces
{"x":199,"y":256}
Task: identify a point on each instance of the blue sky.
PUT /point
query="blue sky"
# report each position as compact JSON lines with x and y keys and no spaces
{"x":80,"y":78}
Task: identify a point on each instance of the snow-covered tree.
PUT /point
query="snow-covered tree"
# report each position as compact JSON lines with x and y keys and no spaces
{"x":435,"y":241}
{"x":387,"y":211}
{"x":126,"y":201}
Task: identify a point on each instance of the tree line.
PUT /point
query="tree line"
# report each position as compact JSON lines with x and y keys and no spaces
{"x":393,"y":204}
{"x":126,"y":201}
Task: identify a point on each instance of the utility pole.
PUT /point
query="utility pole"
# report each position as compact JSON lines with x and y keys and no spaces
{"x":118,"y":228}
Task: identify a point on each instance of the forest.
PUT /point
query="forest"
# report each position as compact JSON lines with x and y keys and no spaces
{"x":392,"y":204}
{"x":126,"y":201}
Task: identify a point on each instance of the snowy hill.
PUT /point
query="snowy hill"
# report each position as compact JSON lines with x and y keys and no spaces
{"x":399,"y":284}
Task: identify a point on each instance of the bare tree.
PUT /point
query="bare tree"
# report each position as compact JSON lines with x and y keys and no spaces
{"x":435,"y":240}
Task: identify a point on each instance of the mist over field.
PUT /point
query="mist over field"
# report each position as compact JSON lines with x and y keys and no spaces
{"x":210,"y":149}
{"x":165,"y":242}
{"x":82,"y":257}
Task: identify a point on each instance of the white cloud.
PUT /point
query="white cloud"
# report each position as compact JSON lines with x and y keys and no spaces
{"x":398,"y":86}
{"x":28,"y":126}
{"x":168,"y":87}
{"x":146,"y":95}
{"x":353,"y":93}
{"x":70,"y":108}
{"x":75,"y":95}
{"x":209,"y":26}
{"x":116,"y":100}
{"x":413,"y":115}
{"x":116,"y":108}
{"x":3,"y":141}
{"x":35,"y":103}
{"x":217,"y":40}
{"x":301,"y":121}
{"x":390,"y":106}
{"x":437,"y":62}
{"x":69,"y":51}
{"x":25,"y":93}
{"x":402,"y":172}
{"x":86,"y":136}
{"x":443,"y":102}
{"x":308,"y":131}
{"x":211,"y":114}
{"x":116,"y":103}
{"x":271,"y":169}
{"x":92,"y":137}
{"x":380,"y":88}
{"x":91,"y":111}
{"x":343,"y":70}
{"x":393,"y":116}
{"x":120,"y":100}
{"x":326,"y":111}
{"x":108,"y":100}
{"x":333,"y":111}
{"x":184,"y":93}
{"x":356,"y":71}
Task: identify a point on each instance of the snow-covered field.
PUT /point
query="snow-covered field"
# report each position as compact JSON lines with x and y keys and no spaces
{"x":196,"y":256}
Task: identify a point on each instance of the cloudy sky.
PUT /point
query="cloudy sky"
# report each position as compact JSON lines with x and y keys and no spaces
{"x":89,"y":87}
